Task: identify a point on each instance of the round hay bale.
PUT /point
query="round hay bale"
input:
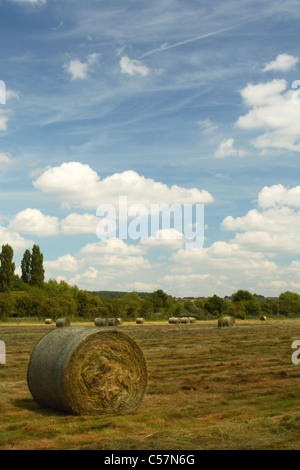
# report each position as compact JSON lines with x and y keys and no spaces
{"x":184,"y":320}
{"x":263,"y":318}
{"x":140,"y":321}
{"x":226,"y":321}
{"x":114,"y":321}
{"x":192,"y":320}
{"x":174,"y":320}
{"x":61,"y":322}
{"x":100,"y":322}
{"x":48,"y":321}
{"x":84,"y":371}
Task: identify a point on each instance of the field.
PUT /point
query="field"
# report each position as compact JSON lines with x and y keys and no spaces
{"x":208,"y":388}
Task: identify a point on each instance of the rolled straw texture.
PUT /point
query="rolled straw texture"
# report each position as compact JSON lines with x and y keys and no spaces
{"x":61,"y":322}
{"x":100,"y":322}
{"x":84,"y":371}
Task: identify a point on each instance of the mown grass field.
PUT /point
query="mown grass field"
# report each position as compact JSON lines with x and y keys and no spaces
{"x":208,"y":388}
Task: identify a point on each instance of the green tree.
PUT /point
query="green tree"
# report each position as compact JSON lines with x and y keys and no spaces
{"x":26,"y":266}
{"x":7,"y":268}
{"x":37,"y":272}
{"x":214,"y":305}
{"x":289,"y":302}
{"x":249,"y":302}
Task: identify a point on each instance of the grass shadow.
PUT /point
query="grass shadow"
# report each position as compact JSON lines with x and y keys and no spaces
{"x":30,"y":405}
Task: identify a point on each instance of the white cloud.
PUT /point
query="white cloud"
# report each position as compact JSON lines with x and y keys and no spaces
{"x":133,"y":67}
{"x":33,"y":221}
{"x":3,"y":120}
{"x":17,"y":242}
{"x":226,"y":149}
{"x":273,"y":229}
{"x":282,"y":63}
{"x":32,"y":2}
{"x":76,"y":184}
{"x":5,"y":158}
{"x":10,"y":94}
{"x":279,"y":195}
{"x":80,"y":70}
{"x":207,"y":126}
{"x":75,"y":224}
{"x":66,"y":263}
{"x":166,"y":239}
{"x":273,"y":111}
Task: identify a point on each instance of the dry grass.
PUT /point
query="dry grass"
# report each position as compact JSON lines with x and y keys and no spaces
{"x":239,"y":388}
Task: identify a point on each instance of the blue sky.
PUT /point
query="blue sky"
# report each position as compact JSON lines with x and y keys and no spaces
{"x":165,"y":102}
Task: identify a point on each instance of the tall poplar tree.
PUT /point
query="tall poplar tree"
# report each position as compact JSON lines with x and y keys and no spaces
{"x":7,"y":268}
{"x":37,"y":272}
{"x":26,"y":266}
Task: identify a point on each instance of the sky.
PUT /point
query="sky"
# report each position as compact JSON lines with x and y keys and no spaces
{"x":177,"y":102}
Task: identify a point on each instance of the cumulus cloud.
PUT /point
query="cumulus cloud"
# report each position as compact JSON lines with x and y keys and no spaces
{"x":274,"y":227}
{"x":76,"y":184}
{"x":75,"y":224}
{"x":273,"y":111}
{"x":113,"y":253}
{"x":227,"y":149}
{"x":66,"y":263}
{"x":282,"y":63}
{"x":279,"y":195}
{"x":80,"y":70}
{"x":133,"y":67}
{"x":14,"y":239}
{"x":34,"y":222}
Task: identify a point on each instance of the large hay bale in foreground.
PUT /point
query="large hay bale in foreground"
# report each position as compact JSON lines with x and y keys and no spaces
{"x":48,"y":321}
{"x":100,"y":322}
{"x":263,"y":318}
{"x":184,"y":320}
{"x":87,"y":371}
{"x":192,"y":320}
{"x":114,"y":322}
{"x":174,"y":320}
{"x":140,"y":321}
{"x":61,"y":322}
{"x":226,"y":321}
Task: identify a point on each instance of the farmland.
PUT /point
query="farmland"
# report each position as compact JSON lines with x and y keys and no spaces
{"x":208,"y":388}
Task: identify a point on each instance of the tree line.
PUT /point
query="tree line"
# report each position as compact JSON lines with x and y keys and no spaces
{"x":29,"y":295}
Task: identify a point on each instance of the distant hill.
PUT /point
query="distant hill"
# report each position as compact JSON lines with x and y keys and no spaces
{"x":108,"y":294}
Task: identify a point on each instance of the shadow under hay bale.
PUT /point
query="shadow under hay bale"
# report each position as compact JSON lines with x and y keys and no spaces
{"x":114,"y":322}
{"x":48,"y":321}
{"x":61,"y":322}
{"x":100,"y":322}
{"x":140,"y":321}
{"x":226,"y":321}
{"x":174,"y":320}
{"x":84,"y":371}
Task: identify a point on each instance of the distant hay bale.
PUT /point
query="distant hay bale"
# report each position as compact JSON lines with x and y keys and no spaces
{"x":114,"y":322}
{"x":263,"y":318}
{"x":184,"y":320}
{"x":61,"y":322}
{"x":140,"y":321}
{"x":192,"y":320}
{"x":87,"y":371}
{"x":174,"y":320}
{"x":226,"y":321}
{"x":48,"y":321}
{"x":100,"y":322}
